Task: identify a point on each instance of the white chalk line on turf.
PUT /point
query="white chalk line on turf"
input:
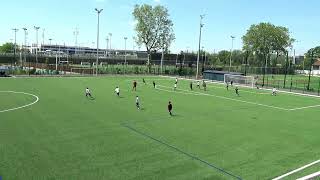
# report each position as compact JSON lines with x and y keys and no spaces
{"x":296,"y":170}
{"x":221,"y":97}
{"x":20,"y":107}
{"x":311,"y":176}
{"x":306,"y":107}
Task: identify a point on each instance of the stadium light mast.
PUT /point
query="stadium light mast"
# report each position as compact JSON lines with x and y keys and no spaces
{"x":125,"y":50}
{"x":37,"y":29}
{"x":107,"y":44}
{"x":15,"y":30}
{"x":110,"y":35}
{"x":198,"y":59}
{"x":25,"y":44}
{"x":98,"y":14}
{"x":232,"y":39}
{"x":50,"y":39}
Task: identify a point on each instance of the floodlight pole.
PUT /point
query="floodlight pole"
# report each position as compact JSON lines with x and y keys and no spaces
{"x":198,"y":59}
{"x":232,"y":39}
{"x":15,"y":46}
{"x":98,"y":13}
{"x":125,"y":50}
{"x":37,"y":29}
{"x":107,"y":41}
{"x":25,"y":44}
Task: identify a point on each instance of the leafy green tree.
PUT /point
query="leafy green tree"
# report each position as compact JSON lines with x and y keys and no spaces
{"x":7,"y":48}
{"x":154,"y":28}
{"x":224,"y":57}
{"x":308,"y":60}
{"x":266,"y":38}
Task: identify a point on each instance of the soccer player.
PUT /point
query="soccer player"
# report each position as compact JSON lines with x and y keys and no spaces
{"x":204,"y":85}
{"x":88,"y":92}
{"x":117,"y":90}
{"x":198,"y":84}
{"x":175,"y":86}
{"x":170,"y":108}
{"x":143,"y":81}
{"x":154,"y":84}
{"x":191,"y":86}
{"x":176,"y":80}
{"x":137,"y":102}
{"x":231,"y":83}
{"x":237,"y":91}
{"x":227,"y":86}
{"x":134,"y":85}
{"x":274,"y":91}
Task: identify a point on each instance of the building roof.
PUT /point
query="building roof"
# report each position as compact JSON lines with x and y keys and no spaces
{"x":221,"y":72}
{"x":317,"y":63}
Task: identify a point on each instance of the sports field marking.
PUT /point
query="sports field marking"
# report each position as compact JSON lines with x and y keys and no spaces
{"x":311,"y":176}
{"x":181,"y":151}
{"x":222,"y":97}
{"x":296,"y":170}
{"x":221,"y":83}
{"x":20,"y":107}
{"x":306,"y":107}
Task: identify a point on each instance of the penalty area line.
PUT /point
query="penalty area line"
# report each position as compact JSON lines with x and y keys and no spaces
{"x":181,"y":151}
{"x":296,"y":170}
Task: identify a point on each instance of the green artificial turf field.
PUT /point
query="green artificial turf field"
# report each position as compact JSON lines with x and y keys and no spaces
{"x":213,"y":134}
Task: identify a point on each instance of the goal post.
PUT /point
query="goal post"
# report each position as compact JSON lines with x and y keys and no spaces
{"x":239,"y":80}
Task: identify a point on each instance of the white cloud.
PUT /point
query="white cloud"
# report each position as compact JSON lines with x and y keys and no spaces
{"x":157,"y":1}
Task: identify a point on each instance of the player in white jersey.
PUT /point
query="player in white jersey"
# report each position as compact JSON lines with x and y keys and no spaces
{"x":137,"y":102}
{"x":274,"y":91}
{"x":88,"y":92}
{"x":175,"y":86}
{"x":117,"y":90}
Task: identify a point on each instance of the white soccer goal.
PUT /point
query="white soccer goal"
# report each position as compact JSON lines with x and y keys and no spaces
{"x":82,"y":71}
{"x":85,"y":63}
{"x":239,"y":80}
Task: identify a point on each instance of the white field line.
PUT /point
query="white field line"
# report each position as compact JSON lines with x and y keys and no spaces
{"x":291,"y":93}
{"x":20,"y":107}
{"x":221,"y":97}
{"x":296,"y":170}
{"x":306,"y":107}
{"x":311,"y":176}
{"x":221,"y":83}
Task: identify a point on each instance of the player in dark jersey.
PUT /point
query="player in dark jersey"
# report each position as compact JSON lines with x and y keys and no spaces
{"x":227,"y":86}
{"x":134,"y":85}
{"x":143,"y":81}
{"x":231,"y":83}
{"x":237,"y":91}
{"x":191,"y":86}
{"x":170,"y":108}
{"x":204,"y":85}
{"x":154,"y":84}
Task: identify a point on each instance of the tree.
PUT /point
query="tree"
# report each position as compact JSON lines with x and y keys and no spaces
{"x":154,"y":28}
{"x":266,"y":38}
{"x":309,"y":60}
{"x":7,"y":48}
{"x":224,"y":56}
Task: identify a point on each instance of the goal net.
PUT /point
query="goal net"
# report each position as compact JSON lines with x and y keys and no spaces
{"x":239,"y":80}
{"x":83,"y":71}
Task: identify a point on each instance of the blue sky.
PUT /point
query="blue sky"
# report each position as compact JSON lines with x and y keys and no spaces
{"x":223,"y":18}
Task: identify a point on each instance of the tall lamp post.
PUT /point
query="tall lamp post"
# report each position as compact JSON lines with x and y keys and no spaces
{"x":107,"y":41}
{"x":198,"y":59}
{"x":37,"y":29}
{"x":25,"y":44}
{"x":98,"y":13}
{"x":232,"y":39}
{"x":15,"y":46}
{"x":125,"y":50}
{"x":50,"y":39}
{"x":110,"y":35}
